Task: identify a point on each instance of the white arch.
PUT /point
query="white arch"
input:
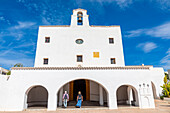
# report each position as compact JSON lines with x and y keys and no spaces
{"x":154,"y":90}
{"x":135,"y":90}
{"x":86,"y":78}
{"x":28,"y":89}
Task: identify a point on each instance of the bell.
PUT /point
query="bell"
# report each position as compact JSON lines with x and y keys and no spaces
{"x":79,"y":15}
{"x":79,"y":20}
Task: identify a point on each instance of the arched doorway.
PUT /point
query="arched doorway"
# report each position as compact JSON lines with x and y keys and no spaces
{"x":127,"y":96}
{"x":94,"y":94}
{"x":80,"y":85}
{"x":36,"y":96}
{"x":154,"y":90}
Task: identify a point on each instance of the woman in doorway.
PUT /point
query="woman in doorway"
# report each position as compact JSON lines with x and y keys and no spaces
{"x":79,"y":100}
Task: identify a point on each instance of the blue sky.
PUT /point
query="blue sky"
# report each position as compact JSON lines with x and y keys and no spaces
{"x":145,"y":26}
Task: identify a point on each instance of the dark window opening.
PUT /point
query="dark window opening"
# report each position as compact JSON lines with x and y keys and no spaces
{"x":47,"y":39}
{"x":111,"y":40}
{"x":3,"y":73}
{"x":45,"y":60}
{"x":113,"y":61}
{"x":79,"y":58}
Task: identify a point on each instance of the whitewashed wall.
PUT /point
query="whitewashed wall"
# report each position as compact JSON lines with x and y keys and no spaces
{"x":13,"y":91}
{"x":62,"y":49}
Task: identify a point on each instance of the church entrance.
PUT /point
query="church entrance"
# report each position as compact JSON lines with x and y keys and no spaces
{"x":93,"y":93}
{"x":79,"y":85}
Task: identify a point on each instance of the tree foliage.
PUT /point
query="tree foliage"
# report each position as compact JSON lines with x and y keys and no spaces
{"x":166,"y":87}
{"x":9,"y":73}
{"x":18,"y":65}
{"x":167,"y":76}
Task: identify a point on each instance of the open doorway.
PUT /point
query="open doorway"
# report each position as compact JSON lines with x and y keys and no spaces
{"x":127,"y":96}
{"x":94,"y":94}
{"x":37,"y":97}
{"x":79,"y":85}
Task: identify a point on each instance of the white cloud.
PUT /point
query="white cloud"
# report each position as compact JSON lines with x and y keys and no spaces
{"x":163,"y":4}
{"x":147,"y":46}
{"x":23,"y":25}
{"x":161,"y":31}
{"x":121,"y":3}
{"x":165,"y":61}
{"x":10,"y":62}
{"x":17,"y":30}
{"x":2,"y":18}
{"x":25,"y":45}
{"x":45,"y":21}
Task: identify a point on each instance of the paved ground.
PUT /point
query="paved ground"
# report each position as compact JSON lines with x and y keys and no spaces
{"x":161,"y":107}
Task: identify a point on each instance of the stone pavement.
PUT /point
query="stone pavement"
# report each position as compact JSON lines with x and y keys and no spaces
{"x":161,"y":107}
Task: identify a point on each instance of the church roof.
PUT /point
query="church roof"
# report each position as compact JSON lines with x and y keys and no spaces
{"x":69,"y":26}
{"x":83,"y":68}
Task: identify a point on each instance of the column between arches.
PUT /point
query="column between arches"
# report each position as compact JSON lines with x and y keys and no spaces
{"x":52,"y":101}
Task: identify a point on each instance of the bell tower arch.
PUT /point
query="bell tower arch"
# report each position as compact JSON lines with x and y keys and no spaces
{"x":79,"y":18}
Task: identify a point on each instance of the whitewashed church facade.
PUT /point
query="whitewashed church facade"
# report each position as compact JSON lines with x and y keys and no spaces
{"x":82,"y":58}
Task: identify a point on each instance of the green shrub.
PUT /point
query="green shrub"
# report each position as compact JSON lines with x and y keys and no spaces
{"x":166,"y":88}
{"x":161,"y":97}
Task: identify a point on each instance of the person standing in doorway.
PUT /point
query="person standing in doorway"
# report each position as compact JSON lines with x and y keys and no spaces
{"x":65,"y":99}
{"x":79,"y":100}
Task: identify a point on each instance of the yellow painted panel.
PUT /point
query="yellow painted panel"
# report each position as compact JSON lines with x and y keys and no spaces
{"x":96,"y":54}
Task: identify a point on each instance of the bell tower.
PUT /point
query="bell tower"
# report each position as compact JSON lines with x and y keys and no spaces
{"x":79,"y":18}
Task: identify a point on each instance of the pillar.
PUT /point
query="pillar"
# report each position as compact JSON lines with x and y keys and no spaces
{"x":52,"y":101}
{"x":71,"y":90}
{"x":87,"y":90}
{"x":130,"y":95}
{"x":25,"y":102}
{"x":61,"y":96}
{"x":100,"y":95}
{"x":112,"y":100}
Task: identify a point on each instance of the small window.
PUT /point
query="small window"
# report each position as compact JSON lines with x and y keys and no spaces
{"x":45,"y":60}
{"x":113,"y":61}
{"x":79,"y":58}
{"x":47,"y":39}
{"x":79,"y":41}
{"x":3,"y":73}
{"x":96,"y":54}
{"x":111,"y":40}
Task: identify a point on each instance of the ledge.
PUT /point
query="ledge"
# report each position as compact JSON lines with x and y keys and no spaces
{"x":83,"y":68}
{"x":70,"y":26}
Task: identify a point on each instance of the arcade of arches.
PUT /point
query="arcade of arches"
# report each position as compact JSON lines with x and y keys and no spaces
{"x":93,"y":93}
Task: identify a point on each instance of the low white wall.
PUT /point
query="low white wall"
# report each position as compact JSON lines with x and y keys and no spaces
{"x":157,"y":76}
{"x":13,"y":97}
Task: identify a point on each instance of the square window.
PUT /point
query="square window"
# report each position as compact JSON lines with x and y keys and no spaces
{"x":45,"y":60}
{"x":47,"y":39}
{"x":111,"y":40}
{"x":79,"y":58}
{"x":96,"y":54}
{"x":113,"y":61}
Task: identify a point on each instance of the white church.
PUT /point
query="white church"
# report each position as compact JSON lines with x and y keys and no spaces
{"x":80,"y":57}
